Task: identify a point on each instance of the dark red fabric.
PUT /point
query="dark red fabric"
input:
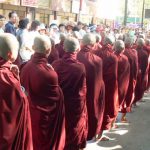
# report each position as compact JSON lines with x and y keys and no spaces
{"x":72,"y":79}
{"x":110,"y":66}
{"x":15,"y":120}
{"x":95,"y":90}
{"x":133,"y":60}
{"x":123,"y":78}
{"x":60,"y":48}
{"x":46,"y":104}
{"x":97,"y":47}
{"x":142,"y":79}
{"x":53,"y":55}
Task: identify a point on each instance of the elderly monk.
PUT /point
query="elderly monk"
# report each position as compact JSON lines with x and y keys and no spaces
{"x":133,"y":60}
{"x":123,"y":73}
{"x":142,"y":79}
{"x":46,"y":98}
{"x":15,"y":121}
{"x":110,"y":68}
{"x":95,"y":86}
{"x":60,"y":47}
{"x":72,"y":79}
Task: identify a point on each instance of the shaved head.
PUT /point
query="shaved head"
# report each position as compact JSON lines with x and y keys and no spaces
{"x":89,"y":39}
{"x":109,"y":40}
{"x":71,"y":44}
{"x":42,"y":44}
{"x":8,"y":47}
{"x":119,"y":46}
{"x":140,"y":42}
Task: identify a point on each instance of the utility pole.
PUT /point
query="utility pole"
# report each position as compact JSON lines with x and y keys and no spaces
{"x":143,"y":9}
{"x":126,"y":12}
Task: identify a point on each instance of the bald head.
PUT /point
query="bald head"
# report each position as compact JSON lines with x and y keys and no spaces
{"x":42,"y":44}
{"x":140,"y":42}
{"x":8,"y":47}
{"x":71,"y":44}
{"x":109,"y":40}
{"x":119,"y":46}
{"x":89,"y":39}
{"x":129,"y":41}
{"x":62,"y":37}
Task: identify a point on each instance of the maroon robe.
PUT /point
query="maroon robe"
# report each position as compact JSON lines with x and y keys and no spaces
{"x":133,"y":60}
{"x":60,"y":48}
{"x":123,"y":78}
{"x":46,"y":104}
{"x":95,"y":90}
{"x":72,"y":79}
{"x":15,"y":120}
{"x":110,"y":66}
{"x":53,"y":55}
{"x":142,"y":79}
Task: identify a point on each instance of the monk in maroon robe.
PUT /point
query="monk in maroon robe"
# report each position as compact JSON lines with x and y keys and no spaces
{"x":15,"y":120}
{"x":123,"y":73}
{"x":142,"y":79}
{"x":46,"y":98}
{"x":60,"y":47}
{"x":110,"y":68}
{"x":133,"y":60}
{"x":54,"y":53}
{"x":97,"y":46}
{"x":72,"y":79}
{"x":95,"y":86}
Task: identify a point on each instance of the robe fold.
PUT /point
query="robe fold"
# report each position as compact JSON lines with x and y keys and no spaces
{"x":95,"y":90}
{"x":142,"y":78}
{"x":15,"y":120}
{"x":110,"y":67}
{"x":133,"y":60}
{"x":123,"y":78}
{"x":46,"y":103}
{"x":72,"y":80}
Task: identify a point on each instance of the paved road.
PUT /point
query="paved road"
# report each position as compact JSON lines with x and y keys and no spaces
{"x":132,"y":136}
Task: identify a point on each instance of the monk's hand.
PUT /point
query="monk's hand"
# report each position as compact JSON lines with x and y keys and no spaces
{"x":15,"y":70}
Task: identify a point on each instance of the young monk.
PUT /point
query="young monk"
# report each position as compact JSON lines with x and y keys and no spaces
{"x":15,"y":121}
{"x":46,"y":98}
{"x":95,"y":86}
{"x":72,"y":79}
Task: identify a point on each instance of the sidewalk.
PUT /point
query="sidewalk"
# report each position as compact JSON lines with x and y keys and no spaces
{"x":132,"y":136}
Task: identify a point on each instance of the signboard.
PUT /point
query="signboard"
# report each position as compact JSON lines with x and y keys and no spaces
{"x":31,"y":3}
{"x":44,"y":3}
{"x":14,"y":2}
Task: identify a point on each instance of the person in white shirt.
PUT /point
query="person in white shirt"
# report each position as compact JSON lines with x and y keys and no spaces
{"x":2,"y":23}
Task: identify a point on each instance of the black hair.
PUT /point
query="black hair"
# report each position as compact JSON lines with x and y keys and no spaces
{"x":23,"y":23}
{"x":1,"y":17}
{"x":61,"y":25}
{"x":10,"y":14}
{"x":34,"y":25}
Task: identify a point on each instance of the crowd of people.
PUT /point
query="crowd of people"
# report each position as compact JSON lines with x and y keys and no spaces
{"x":63,"y":85}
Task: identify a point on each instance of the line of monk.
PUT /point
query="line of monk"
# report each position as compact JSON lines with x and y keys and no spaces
{"x":70,"y":93}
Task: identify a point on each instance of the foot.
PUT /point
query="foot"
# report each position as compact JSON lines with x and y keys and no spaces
{"x":98,"y":137}
{"x":105,"y":139}
{"x":124,"y":120}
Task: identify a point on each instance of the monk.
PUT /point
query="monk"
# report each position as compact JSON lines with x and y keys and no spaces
{"x":110,"y":69}
{"x":72,"y":79}
{"x":123,"y":72}
{"x":95,"y":86}
{"x":15,"y":120}
{"x":142,"y":79}
{"x":133,"y":60}
{"x":60,"y":47}
{"x":45,"y":97}
{"x":97,"y":45}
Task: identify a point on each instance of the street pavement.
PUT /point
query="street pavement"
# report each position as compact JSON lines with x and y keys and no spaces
{"x":134,"y":135}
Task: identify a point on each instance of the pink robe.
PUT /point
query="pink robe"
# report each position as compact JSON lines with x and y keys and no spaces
{"x":15,"y":120}
{"x":95,"y":90}
{"x":133,"y":60}
{"x":72,"y":79}
{"x":123,"y":78}
{"x":46,"y":104}
{"x":110,"y":68}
